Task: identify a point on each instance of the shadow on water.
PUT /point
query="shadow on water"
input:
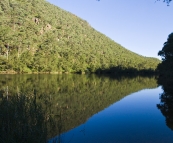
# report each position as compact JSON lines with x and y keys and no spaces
{"x":34,"y":108}
{"x":21,"y":119}
{"x":166,"y":99}
{"x":121,"y":71}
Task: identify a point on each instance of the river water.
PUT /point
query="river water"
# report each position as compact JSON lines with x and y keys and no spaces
{"x":85,"y":108}
{"x":133,"y":119}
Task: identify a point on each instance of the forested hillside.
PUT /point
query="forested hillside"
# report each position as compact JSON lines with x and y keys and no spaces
{"x":36,"y":36}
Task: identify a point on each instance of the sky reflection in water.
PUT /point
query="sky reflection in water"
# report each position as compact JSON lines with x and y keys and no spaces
{"x":135,"y":118}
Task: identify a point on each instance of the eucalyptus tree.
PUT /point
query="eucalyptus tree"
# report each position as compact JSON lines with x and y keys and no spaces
{"x":5,"y":40}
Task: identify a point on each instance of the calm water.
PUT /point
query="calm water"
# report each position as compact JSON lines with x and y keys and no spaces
{"x":81,"y":109}
{"x":133,"y":119}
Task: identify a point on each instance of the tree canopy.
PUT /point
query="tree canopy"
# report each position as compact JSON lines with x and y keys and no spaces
{"x":167,"y":52}
{"x":167,"y":56}
{"x":36,"y":36}
{"x":166,"y":67}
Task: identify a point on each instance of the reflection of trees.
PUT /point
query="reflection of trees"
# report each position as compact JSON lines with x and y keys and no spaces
{"x":22,"y":120}
{"x":166,"y":107}
{"x":166,"y":103}
{"x":62,"y":102}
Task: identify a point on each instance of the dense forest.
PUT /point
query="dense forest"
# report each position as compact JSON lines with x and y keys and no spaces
{"x":165,"y":68}
{"x":36,"y":36}
{"x":46,"y":105}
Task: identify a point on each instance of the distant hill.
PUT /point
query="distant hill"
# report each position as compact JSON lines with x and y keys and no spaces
{"x":36,"y":36}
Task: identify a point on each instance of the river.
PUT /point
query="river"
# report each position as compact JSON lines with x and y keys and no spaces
{"x":82,"y":109}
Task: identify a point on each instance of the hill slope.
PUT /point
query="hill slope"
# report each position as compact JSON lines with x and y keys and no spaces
{"x":36,"y":36}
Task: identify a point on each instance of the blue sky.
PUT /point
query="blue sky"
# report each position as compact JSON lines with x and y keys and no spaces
{"x":141,"y":26}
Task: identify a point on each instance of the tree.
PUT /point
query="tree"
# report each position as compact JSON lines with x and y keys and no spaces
{"x":167,"y":52}
{"x":166,"y":67}
{"x":58,"y":41}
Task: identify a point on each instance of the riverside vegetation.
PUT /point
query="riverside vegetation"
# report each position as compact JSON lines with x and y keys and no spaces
{"x":36,"y":36}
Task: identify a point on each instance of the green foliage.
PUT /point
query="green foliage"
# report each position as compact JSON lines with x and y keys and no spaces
{"x":36,"y":36}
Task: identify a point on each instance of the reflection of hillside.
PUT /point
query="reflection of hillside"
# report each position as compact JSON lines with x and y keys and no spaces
{"x":72,"y":99}
{"x":22,"y":120}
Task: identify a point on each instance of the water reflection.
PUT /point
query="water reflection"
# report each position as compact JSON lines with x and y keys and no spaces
{"x":37,"y":107}
{"x":133,"y":119}
{"x":22,"y":119}
{"x":166,"y":101}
